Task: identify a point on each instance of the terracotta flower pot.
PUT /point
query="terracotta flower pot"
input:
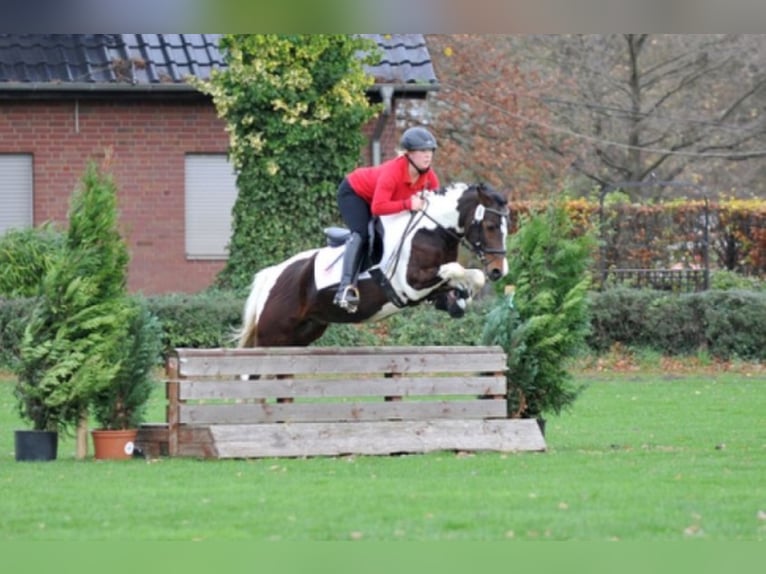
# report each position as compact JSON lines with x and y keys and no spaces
{"x":114,"y":444}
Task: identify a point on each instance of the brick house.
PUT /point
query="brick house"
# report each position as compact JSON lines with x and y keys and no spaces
{"x":67,"y":98}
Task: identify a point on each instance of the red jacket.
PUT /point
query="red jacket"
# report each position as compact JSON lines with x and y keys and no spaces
{"x":386,"y":187}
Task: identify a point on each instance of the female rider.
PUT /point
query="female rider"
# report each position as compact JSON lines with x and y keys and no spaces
{"x":381,"y":190}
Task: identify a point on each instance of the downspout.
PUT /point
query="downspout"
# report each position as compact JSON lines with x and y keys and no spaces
{"x":386,"y":94}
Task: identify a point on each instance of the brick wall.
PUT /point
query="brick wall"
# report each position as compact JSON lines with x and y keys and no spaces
{"x":147,"y":141}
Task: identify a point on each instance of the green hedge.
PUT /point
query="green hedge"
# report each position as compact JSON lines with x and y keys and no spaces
{"x":727,"y":324}
{"x":204,"y":320}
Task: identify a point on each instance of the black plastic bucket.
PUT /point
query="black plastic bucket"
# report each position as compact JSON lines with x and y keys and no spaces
{"x":36,"y":445}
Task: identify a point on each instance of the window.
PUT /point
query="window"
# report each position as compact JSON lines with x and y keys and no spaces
{"x":15,"y":192}
{"x":211,"y":190}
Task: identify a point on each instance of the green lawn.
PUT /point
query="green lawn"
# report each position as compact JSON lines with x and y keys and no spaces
{"x":639,"y":457}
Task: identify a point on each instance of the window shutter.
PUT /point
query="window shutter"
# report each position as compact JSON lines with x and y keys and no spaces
{"x":211,"y":190}
{"x":15,"y":192}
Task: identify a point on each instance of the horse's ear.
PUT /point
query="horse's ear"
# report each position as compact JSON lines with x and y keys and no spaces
{"x":484,"y":193}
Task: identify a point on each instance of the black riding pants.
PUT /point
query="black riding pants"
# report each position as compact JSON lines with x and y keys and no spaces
{"x":354,"y":210}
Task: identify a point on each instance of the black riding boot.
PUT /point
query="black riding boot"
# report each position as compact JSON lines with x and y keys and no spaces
{"x":347,"y":296}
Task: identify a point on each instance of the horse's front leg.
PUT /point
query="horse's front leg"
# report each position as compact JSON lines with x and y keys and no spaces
{"x":457,"y":276}
{"x":464,"y":283}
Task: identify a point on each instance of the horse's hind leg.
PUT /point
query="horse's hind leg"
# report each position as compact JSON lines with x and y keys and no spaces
{"x":284,"y":331}
{"x":308,"y":331}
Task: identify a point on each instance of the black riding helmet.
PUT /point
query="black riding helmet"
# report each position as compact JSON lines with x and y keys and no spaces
{"x":417,"y":138}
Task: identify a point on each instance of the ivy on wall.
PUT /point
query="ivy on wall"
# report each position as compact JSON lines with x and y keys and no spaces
{"x":294,"y":107}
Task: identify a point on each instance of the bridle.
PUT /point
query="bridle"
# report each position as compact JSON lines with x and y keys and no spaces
{"x":477,"y":247}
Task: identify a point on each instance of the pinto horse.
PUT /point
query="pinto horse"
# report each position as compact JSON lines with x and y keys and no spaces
{"x":412,"y":259}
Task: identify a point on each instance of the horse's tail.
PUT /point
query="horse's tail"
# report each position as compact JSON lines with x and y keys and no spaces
{"x":247,"y":335}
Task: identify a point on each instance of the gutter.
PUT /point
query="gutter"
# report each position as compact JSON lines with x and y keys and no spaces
{"x":408,"y":88}
{"x":90,"y":91}
{"x":94,"y":87}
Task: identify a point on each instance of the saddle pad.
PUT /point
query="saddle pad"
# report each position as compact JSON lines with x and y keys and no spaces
{"x":328,"y":266}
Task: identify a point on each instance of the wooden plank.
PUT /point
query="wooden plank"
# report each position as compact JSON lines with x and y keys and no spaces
{"x":183,"y":352}
{"x":290,"y":360}
{"x":352,"y":411}
{"x":196,"y":441}
{"x":352,"y":387}
{"x":376,"y":438}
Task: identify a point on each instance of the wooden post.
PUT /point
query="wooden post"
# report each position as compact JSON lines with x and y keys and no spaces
{"x":171,"y":390}
{"x":81,"y":445}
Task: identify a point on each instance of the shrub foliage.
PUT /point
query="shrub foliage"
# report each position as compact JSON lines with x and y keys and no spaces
{"x":25,"y":256}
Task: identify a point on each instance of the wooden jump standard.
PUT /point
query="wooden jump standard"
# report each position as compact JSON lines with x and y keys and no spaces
{"x":313,"y":401}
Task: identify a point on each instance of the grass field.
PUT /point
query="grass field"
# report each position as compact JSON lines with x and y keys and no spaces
{"x":642,"y":456}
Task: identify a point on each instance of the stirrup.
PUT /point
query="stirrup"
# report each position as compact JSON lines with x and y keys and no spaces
{"x":347,"y":298}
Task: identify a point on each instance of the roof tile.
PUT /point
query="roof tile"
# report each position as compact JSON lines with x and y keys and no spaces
{"x":162,"y":58}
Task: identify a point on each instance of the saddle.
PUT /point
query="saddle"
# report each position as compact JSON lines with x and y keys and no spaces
{"x":337,"y":236}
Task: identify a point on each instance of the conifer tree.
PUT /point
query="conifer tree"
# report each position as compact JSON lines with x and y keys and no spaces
{"x":71,"y":344}
{"x":542,"y":318}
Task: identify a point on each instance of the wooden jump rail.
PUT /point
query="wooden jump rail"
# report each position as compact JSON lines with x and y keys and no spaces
{"x":313,"y":401}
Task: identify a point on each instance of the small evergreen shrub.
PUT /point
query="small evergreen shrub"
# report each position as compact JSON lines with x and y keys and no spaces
{"x":542,"y":319}
{"x":122,"y":404}
{"x":71,"y":346}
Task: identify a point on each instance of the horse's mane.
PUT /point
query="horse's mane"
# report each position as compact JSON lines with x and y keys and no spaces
{"x":473,"y":189}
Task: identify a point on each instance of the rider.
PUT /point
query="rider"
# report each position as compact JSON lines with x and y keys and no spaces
{"x":382,"y":190}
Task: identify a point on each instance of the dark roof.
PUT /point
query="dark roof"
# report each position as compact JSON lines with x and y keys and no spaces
{"x":95,"y":61}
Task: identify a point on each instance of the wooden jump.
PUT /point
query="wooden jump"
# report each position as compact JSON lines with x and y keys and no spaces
{"x":324,"y":401}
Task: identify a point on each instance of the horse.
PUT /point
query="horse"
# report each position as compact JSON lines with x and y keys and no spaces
{"x":412,"y":258}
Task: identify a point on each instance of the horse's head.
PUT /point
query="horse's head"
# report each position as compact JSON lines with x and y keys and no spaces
{"x":484,"y":217}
